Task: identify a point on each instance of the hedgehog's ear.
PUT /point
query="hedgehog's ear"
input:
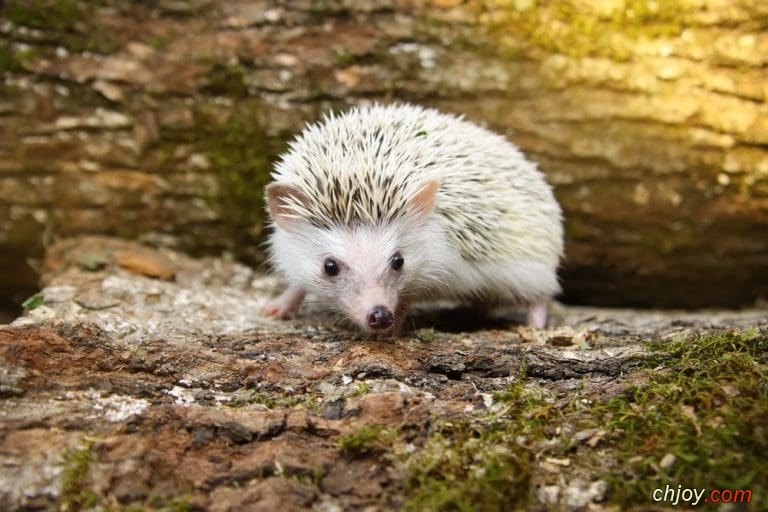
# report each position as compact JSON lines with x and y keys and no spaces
{"x":279,"y":198}
{"x":423,"y":201}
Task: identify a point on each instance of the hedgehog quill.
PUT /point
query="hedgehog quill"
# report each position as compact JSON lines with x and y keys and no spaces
{"x":381,"y":206}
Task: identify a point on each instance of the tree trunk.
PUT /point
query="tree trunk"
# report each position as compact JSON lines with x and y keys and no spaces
{"x":159,"y":120}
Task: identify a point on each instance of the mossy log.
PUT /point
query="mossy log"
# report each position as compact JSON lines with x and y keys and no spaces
{"x":160,"y":120}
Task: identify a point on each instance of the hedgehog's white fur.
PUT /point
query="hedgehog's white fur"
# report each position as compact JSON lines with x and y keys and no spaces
{"x":349,"y":188}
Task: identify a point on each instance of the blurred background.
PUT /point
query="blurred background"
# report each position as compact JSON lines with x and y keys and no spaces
{"x":159,"y":120}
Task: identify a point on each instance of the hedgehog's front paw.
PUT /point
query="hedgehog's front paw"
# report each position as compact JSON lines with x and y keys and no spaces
{"x":272,"y":308}
{"x":288,"y":302}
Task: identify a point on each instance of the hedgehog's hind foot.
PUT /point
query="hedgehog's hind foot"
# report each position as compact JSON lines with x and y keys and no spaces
{"x":287,"y":303}
{"x":537,"y":314}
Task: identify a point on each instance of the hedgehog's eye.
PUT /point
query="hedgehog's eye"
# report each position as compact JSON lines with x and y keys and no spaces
{"x":331,"y":267}
{"x":397,"y":261}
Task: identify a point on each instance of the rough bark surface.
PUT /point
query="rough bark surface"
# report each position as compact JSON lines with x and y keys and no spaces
{"x":159,"y":120}
{"x":172,"y":393}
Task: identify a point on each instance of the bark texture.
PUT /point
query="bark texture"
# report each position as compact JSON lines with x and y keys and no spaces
{"x":122,"y":391}
{"x":159,"y":120}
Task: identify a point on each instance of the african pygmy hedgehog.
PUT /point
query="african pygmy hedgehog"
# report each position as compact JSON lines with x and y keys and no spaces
{"x":383,"y":205}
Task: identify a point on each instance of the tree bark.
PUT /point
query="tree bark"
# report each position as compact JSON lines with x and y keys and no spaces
{"x":159,"y":121}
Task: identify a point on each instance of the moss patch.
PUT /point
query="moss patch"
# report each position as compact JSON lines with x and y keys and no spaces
{"x":13,"y":59}
{"x":276,"y":400}
{"x":468,"y":466}
{"x":225,"y":80}
{"x":75,"y":494}
{"x":366,"y":440}
{"x":241,"y":152}
{"x":695,"y":417}
{"x":577,"y":31}
{"x":426,"y":335}
{"x":45,"y":14}
{"x":481,"y":463}
{"x":708,"y":410}
{"x":73,"y":23}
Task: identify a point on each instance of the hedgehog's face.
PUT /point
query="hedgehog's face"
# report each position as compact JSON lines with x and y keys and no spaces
{"x":370,"y":271}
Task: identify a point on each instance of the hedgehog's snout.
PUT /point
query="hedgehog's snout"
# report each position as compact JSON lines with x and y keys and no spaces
{"x":380,"y":318}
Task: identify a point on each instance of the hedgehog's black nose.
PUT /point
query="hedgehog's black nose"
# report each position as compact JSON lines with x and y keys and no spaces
{"x":380,"y":317}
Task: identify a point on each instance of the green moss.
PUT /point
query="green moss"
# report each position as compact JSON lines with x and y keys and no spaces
{"x":8,"y":59}
{"x":512,"y":393}
{"x":571,"y":29}
{"x":157,"y":42}
{"x":708,"y":408}
{"x":343,"y":56}
{"x":276,"y":400}
{"x":72,"y":22}
{"x":91,"y":262}
{"x":486,"y":463}
{"x":226,"y":80}
{"x":654,"y":19}
{"x":469,"y":465}
{"x":265,"y":399}
{"x":368,"y":439}
{"x":74,"y":493}
{"x":241,"y":152}
{"x":45,"y":14}
{"x":362,"y":388}
{"x":576,"y":228}
{"x":426,"y":335}
{"x":13,"y":59}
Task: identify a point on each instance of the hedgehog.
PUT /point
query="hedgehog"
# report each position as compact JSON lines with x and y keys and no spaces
{"x":384,"y":205}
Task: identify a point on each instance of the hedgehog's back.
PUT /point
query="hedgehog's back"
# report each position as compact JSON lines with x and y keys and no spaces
{"x":363,"y":165}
